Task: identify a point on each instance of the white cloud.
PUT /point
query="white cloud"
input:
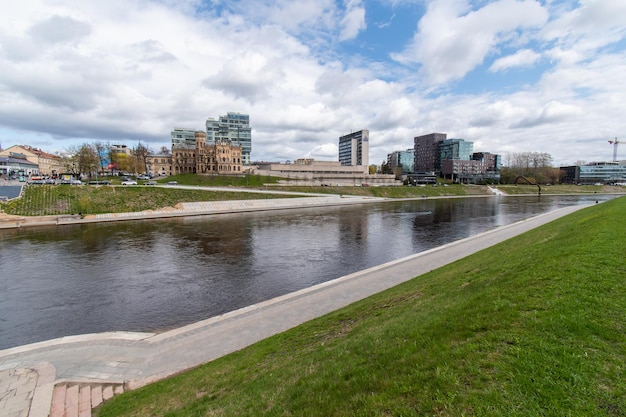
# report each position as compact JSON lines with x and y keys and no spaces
{"x":59,"y":29}
{"x":521,"y":58}
{"x":552,"y":112}
{"x":353,"y":21}
{"x":128,"y":70}
{"x":326,"y":151}
{"x":452,"y":39}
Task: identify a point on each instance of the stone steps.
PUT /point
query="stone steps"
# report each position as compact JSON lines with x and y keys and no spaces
{"x":78,"y":399}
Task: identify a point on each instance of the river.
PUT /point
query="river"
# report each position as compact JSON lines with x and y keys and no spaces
{"x":153,"y":275}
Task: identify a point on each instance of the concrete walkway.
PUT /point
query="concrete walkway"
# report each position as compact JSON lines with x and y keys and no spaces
{"x":136,"y":359}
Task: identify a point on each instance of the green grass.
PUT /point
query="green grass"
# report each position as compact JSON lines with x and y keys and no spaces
{"x":454,"y":190}
{"x":394,"y":192}
{"x":255,"y":181}
{"x":42,"y":200}
{"x":534,"y":326}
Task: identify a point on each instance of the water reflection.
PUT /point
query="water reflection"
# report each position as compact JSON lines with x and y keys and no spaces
{"x":152,"y":275}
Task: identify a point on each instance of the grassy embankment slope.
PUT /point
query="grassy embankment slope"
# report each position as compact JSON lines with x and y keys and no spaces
{"x":533,"y":326}
{"x":43,"y":200}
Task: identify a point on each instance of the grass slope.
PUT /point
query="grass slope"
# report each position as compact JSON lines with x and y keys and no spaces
{"x":42,"y":200}
{"x":534,"y":326}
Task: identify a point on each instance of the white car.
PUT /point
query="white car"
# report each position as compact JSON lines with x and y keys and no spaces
{"x":129,"y":182}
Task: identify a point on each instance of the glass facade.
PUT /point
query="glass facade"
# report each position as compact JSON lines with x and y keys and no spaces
{"x":184,"y":137}
{"x":402,"y":160}
{"x":595,"y":172}
{"x":455,"y":149}
{"x":234,"y":127}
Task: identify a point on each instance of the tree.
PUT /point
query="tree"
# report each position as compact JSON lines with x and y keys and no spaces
{"x":84,"y":159}
{"x":140,"y":155}
{"x":535,"y":166}
{"x":164,"y":150}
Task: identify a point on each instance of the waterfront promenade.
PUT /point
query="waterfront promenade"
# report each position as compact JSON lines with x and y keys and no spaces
{"x":90,"y":365}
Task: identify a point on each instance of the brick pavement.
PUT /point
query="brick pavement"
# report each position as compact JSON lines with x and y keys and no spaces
{"x":26,"y":392}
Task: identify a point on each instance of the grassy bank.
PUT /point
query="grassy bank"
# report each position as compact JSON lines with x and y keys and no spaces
{"x":42,"y":200}
{"x":533,"y":326}
{"x":457,"y":190}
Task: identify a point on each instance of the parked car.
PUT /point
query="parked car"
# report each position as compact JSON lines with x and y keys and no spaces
{"x":143,"y":177}
{"x":150,"y":183}
{"x":172,"y":183}
{"x":129,"y":182}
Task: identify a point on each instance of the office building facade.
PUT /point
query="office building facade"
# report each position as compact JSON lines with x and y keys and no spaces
{"x":480,"y":167}
{"x":233,"y":127}
{"x":401,"y":162}
{"x":455,"y":149}
{"x":594,"y":173}
{"x":426,"y":149}
{"x":182,"y":136}
{"x":354,"y":149}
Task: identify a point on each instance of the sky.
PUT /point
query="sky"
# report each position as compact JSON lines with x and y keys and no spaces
{"x":511,"y":76}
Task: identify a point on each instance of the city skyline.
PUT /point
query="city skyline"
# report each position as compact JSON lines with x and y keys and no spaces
{"x":511,"y":76}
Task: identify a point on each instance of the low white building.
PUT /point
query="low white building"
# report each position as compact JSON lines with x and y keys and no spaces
{"x":312,"y":172}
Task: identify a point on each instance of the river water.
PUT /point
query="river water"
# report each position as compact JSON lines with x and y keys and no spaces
{"x":152,"y":275}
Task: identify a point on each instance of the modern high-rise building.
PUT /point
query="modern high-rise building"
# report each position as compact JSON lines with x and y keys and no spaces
{"x":233,"y":127}
{"x":401,"y":162}
{"x":455,"y":149}
{"x":427,"y":152}
{"x":354,"y":149}
{"x":184,"y":137}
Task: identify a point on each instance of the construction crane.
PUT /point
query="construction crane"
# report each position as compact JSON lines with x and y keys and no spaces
{"x":614,"y":143}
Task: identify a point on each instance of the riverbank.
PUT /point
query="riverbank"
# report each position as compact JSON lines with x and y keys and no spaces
{"x":299,"y":197}
{"x":531,"y":326}
{"x":200,"y":208}
{"x":107,"y":358}
{"x":60,"y":204}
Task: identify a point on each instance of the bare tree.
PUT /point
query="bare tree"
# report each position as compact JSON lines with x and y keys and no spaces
{"x":536,"y":165}
{"x":140,"y":154}
{"x":83,"y":159}
{"x":165,"y":150}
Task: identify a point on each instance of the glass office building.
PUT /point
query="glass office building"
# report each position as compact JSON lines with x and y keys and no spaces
{"x":594,"y":173}
{"x":455,"y":149}
{"x":401,"y":161}
{"x":234,"y":127}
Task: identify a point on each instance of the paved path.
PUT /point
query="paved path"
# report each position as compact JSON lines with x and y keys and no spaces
{"x":140,"y":358}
